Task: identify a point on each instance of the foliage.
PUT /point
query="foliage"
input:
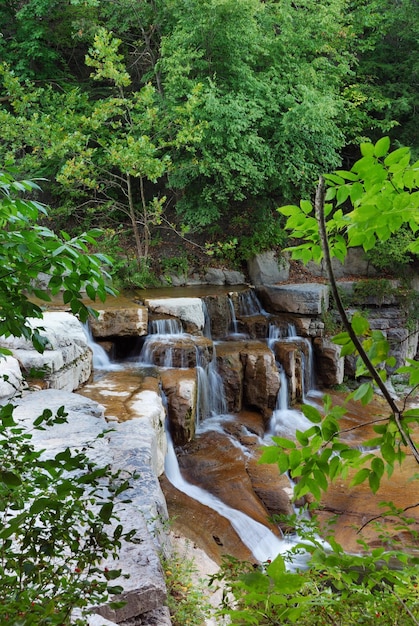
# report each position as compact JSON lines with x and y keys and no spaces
{"x":59,"y":521}
{"x":393,"y":255}
{"x":28,"y":249}
{"x":335,"y":588}
{"x":271,"y":107}
{"x":187,"y":600}
{"x":382,"y":191}
{"x":381,"y":585}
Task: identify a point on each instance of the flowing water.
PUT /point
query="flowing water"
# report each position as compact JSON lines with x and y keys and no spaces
{"x":211,"y":403}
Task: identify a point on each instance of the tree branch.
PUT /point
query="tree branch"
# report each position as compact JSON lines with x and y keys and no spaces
{"x":398,"y":415}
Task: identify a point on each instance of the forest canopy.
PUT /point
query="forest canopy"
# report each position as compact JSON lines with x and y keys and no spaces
{"x":191,"y":114}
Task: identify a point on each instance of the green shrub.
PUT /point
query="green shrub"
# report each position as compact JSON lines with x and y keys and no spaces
{"x":58,"y":522}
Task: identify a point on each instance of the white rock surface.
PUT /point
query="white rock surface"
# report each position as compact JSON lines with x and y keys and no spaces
{"x":11,"y":378}
{"x":129,"y":448}
{"x":187,"y":309}
{"x":66,"y":362}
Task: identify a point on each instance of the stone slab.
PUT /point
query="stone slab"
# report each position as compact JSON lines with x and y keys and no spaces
{"x":301,"y":298}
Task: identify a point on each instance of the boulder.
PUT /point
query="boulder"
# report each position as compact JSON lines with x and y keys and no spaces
{"x":261,"y":377}
{"x":302,"y":298}
{"x":126,"y":447}
{"x":11,"y":378}
{"x":230,"y":368}
{"x":266,"y":269}
{"x":188,"y":310}
{"x":330,"y":365}
{"x":126,"y":321}
{"x":66,"y":362}
{"x":219,"y":315}
{"x":355,"y":264}
{"x":233,"y":277}
{"x":181,"y":391}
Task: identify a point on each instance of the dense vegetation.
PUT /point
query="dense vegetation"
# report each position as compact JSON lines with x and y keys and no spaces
{"x":197,"y":115}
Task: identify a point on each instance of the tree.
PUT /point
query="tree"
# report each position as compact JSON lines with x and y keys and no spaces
{"x":51,"y":543}
{"x":108,"y":155}
{"x":359,"y":207}
{"x":271,"y":107}
{"x":28,"y":249}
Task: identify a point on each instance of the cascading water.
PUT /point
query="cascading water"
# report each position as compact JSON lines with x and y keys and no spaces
{"x":249,"y":304}
{"x":211,"y":397}
{"x":261,"y":541}
{"x":233,"y":323}
{"x":101,"y":360}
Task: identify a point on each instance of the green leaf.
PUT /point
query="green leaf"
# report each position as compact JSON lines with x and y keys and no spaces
{"x":10,"y":479}
{"x":105,"y":512}
{"x":360,"y":476}
{"x":311,"y":413}
{"x":381,"y":147}
{"x":367,"y":149}
{"x":360,"y":324}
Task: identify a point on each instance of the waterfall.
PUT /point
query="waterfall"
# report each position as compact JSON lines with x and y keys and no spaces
{"x":249,"y":304}
{"x":166,"y":327}
{"x":101,"y":360}
{"x":261,"y":541}
{"x":233,"y":323}
{"x":211,"y":397}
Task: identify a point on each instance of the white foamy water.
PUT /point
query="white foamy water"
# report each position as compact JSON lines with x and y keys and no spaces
{"x":261,"y":541}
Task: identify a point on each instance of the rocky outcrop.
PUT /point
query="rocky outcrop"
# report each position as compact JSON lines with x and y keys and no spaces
{"x":301,"y":299}
{"x":66,"y":362}
{"x":330,"y":365}
{"x":181,"y":390}
{"x":128,"y":448}
{"x":121,"y":321}
{"x":11,"y":378}
{"x":266,"y":269}
{"x":188,"y":310}
{"x":250,"y":375}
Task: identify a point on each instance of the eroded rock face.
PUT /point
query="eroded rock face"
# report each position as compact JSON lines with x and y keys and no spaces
{"x":180,"y":389}
{"x":330,"y":365}
{"x":189,"y":310}
{"x":301,"y":299}
{"x":66,"y":363}
{"x":250,"y":375}
{"x":261,"y":378}
{"x":127,"y":321}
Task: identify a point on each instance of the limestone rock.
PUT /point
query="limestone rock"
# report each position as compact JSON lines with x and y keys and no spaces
{"x":355,"y":264}
{"x":127,"y":447}
{"x":330,"y":365}
{"x":180,"y":389}
{"x":261,"y":378}
{"x":214,"y":276}
{"x":266,"y":269}
{"x":66,"y":362}
{"x":189,"y":310}
{"x":219,"y":314}
{"x":303,"y":298}
{"x":127,"y":321}
{"x":11,"y":378}
{"x":289,"y":355}
{"x":233,"y":277}
{"x":230,"y":368}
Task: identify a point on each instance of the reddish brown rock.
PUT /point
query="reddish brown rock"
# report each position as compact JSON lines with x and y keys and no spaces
{"x":180,"y":388}
{"x":261,"y":377}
